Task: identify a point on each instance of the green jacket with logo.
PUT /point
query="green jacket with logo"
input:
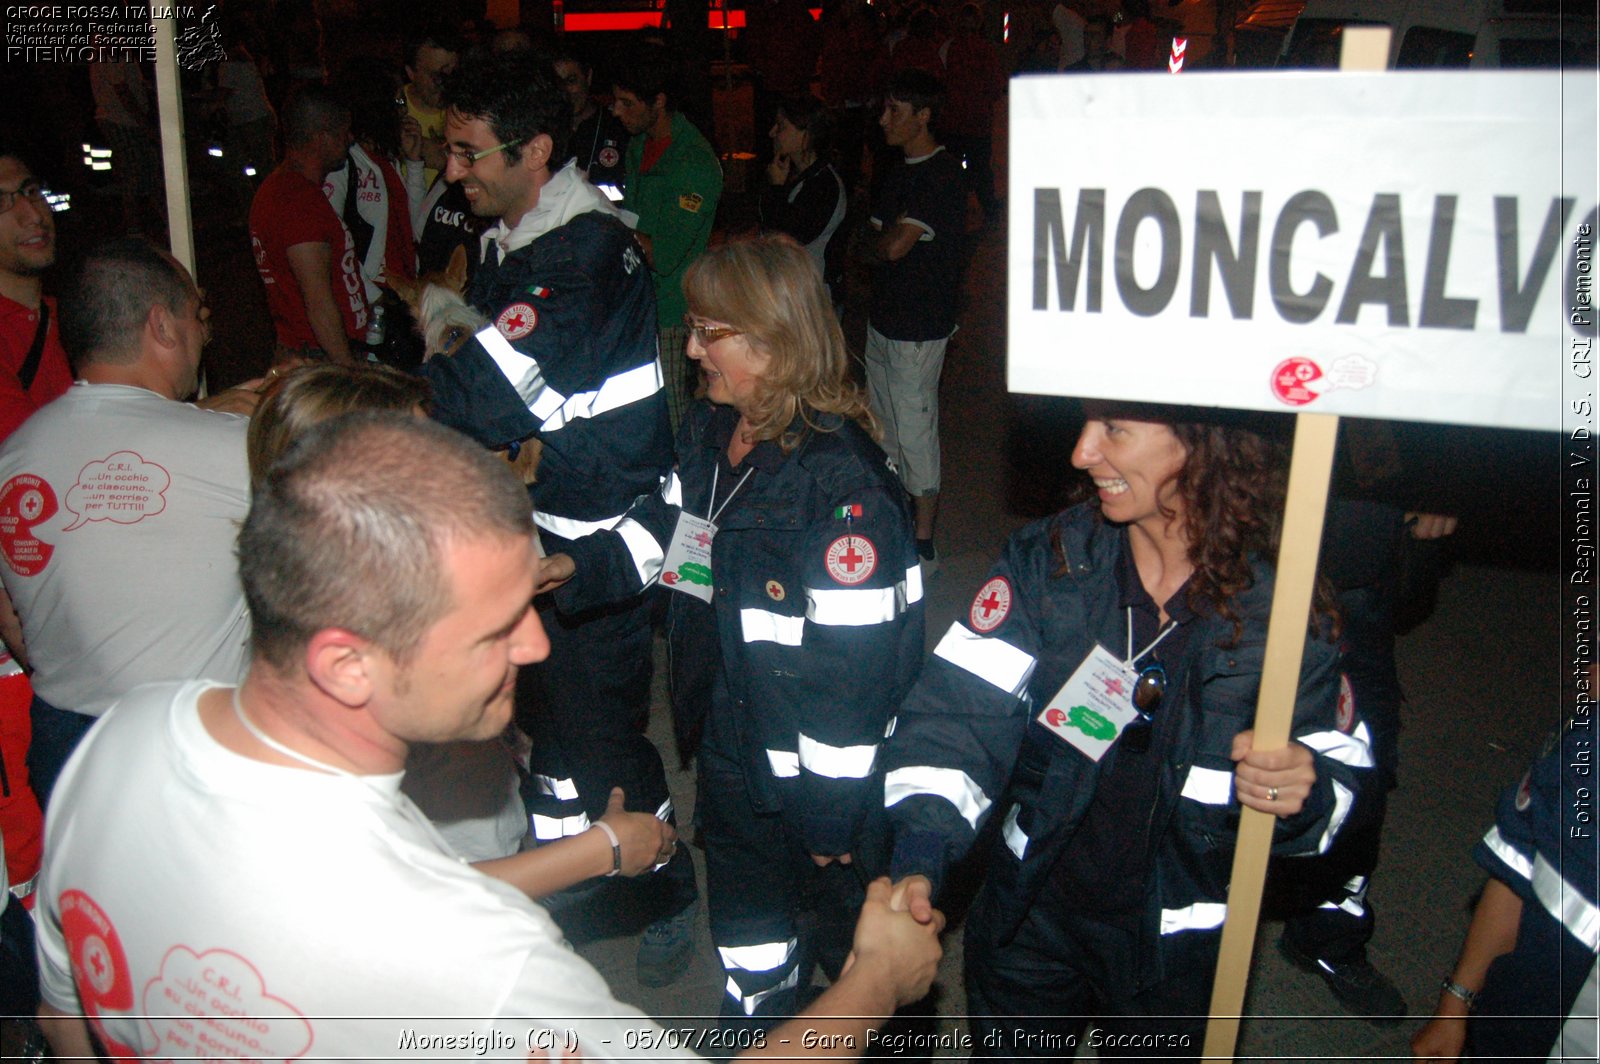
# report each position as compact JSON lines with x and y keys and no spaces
{"x":676,"y":202}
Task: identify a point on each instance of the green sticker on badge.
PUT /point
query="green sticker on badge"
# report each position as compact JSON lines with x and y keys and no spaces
{"x":695,"y":573}
{"x":1091,"y":723}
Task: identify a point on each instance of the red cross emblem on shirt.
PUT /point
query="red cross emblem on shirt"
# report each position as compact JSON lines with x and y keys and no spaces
{"x":517,"y":321}
{"x":991,"y":605}
{"x":850,"y":559}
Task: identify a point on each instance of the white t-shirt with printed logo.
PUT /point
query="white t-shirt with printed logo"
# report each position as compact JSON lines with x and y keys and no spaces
{"x":118,"y":514}
{"x":195,"y":901}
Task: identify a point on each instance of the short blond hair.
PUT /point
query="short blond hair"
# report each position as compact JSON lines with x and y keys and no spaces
{"x":309,"y":396}
{"x":768,"y":288}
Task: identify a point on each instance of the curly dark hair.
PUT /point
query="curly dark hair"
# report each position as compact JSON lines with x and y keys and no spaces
{"x":518,"y":95}
{"x":1232,"y":489}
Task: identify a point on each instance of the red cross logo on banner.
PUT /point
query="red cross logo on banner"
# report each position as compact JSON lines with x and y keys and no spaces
{"x":517,"y":321}
{"x":851,"y":559}
{"x":991,"y":605}
{"x":1292,"y":380}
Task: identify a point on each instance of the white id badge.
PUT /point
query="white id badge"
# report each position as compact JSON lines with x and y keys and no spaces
{"x":688,"y":564}
{"x":1094,"y":705}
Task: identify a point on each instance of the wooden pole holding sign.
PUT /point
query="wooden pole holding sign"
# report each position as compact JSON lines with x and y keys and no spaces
{"x":1364,"y":48}
{"x":1307,"y":502}
{"x":174,"y":161}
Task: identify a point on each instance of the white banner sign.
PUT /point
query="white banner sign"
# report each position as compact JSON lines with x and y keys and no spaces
{"x":1415,"y":246}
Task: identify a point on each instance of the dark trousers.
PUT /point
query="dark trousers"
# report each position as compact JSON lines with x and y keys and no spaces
{"x":19,"y":968}
{"x":774,"y":914}
{"x":586,"y":710}
{"x":1035,"y":995}
{"x":56,"y":733}
{"x":1324,"y":898}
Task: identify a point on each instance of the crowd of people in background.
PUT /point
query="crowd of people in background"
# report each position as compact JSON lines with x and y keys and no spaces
{"x":495,"y":270}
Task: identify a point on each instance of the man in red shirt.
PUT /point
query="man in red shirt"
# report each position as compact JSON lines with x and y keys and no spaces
{"x":33,"y":371}
{"x":27,"y":316}
{"x":304,"y":252}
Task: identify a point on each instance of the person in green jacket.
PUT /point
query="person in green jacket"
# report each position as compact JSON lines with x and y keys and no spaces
{"x":674,"y":184}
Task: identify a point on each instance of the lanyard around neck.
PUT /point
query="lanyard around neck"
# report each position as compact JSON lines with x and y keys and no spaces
{"x":1166,"y":630}
{"x":399,"y":803}
{"x":712,"y":515}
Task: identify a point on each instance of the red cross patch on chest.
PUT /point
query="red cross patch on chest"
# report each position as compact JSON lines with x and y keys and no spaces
{"x":991,"y":605}
{"x":851,"y":559}
{"x":517,"y":321}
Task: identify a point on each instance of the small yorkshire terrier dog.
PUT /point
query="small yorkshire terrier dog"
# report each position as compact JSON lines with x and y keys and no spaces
{"x":446,"y":322}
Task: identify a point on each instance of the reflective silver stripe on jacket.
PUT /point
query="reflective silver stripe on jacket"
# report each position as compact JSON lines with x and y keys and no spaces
{"x":1343,"y":799}
{"x":647,"y":555}
{"x":855,"y":607}
{"x":992,"y":660}
{"x":1354,"y":749}
{"x":672,"y":490}
{"x":759,"y":959}
{"x":764,"y":626}
{"x":559,"y":827}
{"x":785,"y":764}
{"x":1016,"y":839}
{"x":572,"y":527}
{"x":521,"y":371}
{"x":1513,"y":857}
{"x":565,"y":789}
{"x":1212,"y":786}
{"x":951,"y":784}
{"x":837,"y":762}
{"x":1201,"y":916}
{"x":555,"y":410}
{"x":1566,"y":903}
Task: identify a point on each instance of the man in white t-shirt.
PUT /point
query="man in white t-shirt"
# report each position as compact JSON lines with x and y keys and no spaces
{"x":119,"y":504}
{"x":251,"y":881}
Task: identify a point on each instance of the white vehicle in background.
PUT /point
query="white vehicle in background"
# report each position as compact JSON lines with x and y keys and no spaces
{"x":1432,"y":34}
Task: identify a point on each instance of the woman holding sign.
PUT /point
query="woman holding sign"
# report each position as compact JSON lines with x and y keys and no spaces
{"x":1098,"y":696}
{"x":796,"y":627}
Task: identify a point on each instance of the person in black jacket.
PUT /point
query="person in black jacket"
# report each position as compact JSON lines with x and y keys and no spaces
{"x":1098,"y":694}
{"x":796,"y":614}
{"x":569,"y":357}
{"x":805,"y":196}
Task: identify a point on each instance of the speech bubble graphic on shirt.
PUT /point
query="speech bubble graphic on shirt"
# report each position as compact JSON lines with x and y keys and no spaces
{"x":121,"y":487}
{"x":215,"y":1005}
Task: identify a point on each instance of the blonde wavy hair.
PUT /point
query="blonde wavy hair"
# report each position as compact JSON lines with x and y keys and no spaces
{"x":768,"y":288}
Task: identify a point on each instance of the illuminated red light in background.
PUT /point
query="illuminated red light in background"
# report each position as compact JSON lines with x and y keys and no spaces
{"x":628,"y":21}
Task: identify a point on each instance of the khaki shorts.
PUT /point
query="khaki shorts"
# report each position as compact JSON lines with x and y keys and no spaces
{"x":903,"y":384}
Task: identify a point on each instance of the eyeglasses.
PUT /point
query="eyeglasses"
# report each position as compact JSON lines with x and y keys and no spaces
{"x":467,"y":158}
{"x":1148,"y":691}
{"x":709,"y":334}
{"x":31,"y":191}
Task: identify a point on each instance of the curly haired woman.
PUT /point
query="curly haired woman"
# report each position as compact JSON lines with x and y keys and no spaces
{"x":1098,"y":695}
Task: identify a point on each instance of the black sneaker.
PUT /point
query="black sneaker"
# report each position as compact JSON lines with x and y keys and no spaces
{"x":666,"y":947}
{"x":1360,"y":988}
